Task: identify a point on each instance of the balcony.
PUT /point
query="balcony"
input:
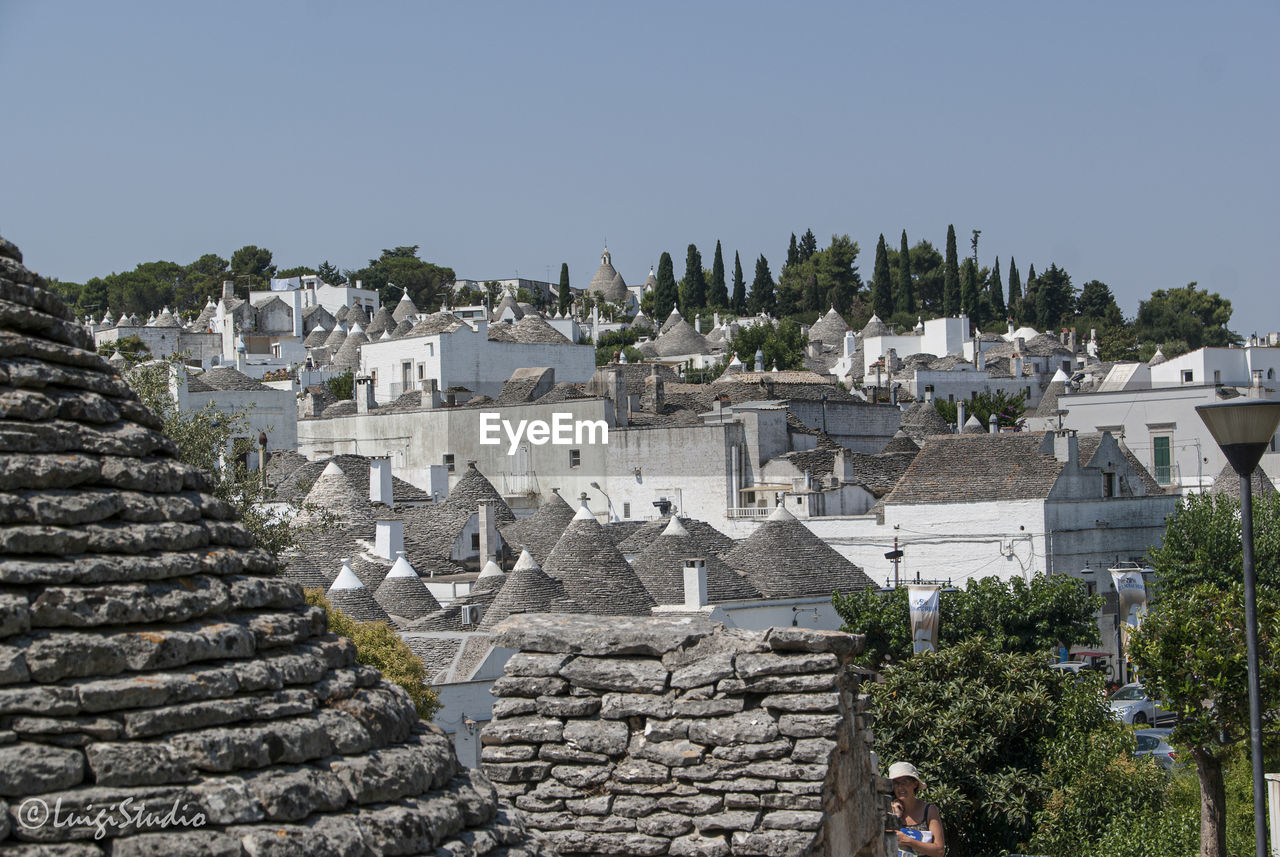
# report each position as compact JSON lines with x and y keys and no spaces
{"x":750,"y":513}
{"x":519,"y":484}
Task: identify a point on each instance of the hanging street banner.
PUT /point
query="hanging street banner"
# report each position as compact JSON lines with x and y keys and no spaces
{"x":1132,"y":600}
{"x":923,"y":601}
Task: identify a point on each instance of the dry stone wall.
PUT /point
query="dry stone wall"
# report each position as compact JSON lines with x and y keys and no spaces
{"x":679,"y":736}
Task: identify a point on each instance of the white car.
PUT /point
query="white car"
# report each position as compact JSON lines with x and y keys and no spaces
{"x":1130,"y":704}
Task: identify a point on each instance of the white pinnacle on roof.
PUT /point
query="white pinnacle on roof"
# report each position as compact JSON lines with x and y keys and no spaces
{"x":356,"y":328}
{"x":675,"y":528}
{"x":346,"y":578}
{"x":491,"y":568}
{"x":1059,"y":376}
{"x":402,"y":568}
{"x":780,"y":513}
{"x":332,"y":469}
{"x":583,"y":514}
{"x":525,"y":562}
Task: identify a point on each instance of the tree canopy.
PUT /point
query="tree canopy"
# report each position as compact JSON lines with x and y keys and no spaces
{"x":783,"y":345}
{"x":1191,"y":315}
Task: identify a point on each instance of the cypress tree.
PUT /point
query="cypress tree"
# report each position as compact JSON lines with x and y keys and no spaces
{"x":565,"y":296}
{"x":1015,"y":290}
{"x":951,"y":276}
{"x":808,"y":245}
{"x":1029,"y":309}
{"x":996,"y":294}
{"x":882,"y":287}
{"x":793,"y":253}
{"x":665,"y":292}
{"x":695,"y":282}
{"x":739,"y":302}
{"x":905,"y":299}
{"x":762,"y":296}
{"x":717,"y":292}
{"x":970,"y":300}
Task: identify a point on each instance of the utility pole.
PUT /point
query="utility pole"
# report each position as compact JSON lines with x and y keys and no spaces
{"x":896,"y":556}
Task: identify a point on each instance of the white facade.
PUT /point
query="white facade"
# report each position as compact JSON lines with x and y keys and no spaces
{"x":314,"y":292}
{"x":467,"y":358}
{"x":941,"y":336}
{"x":1231,"y":366}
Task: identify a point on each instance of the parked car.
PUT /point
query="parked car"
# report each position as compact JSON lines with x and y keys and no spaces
{"x":1155,"y":743}
{"x":1130,"y":704}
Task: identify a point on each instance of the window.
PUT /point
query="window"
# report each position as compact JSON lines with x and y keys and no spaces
{"x":1161,"y":458}
{"x":431,"y":349}
{"x":575,"y":457}
{"x":448,"y":461}
{"x":1108,"y":484}
{"x":406,"y":375}
{"x":626,"y":510}
{"x":1271,"y":374}
{"x":1217,"y":376}
{"x":422,"y":369}
{"x":475,"y":541}
{"x":1188,"y":376}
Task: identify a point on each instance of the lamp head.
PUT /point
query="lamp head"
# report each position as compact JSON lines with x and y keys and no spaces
{"x":1242,"y":428}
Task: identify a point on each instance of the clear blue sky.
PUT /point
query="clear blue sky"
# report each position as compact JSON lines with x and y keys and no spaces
{"x":1128,"y":142}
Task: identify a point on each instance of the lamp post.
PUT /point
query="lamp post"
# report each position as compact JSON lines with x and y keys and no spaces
{"x":1243,"y":428}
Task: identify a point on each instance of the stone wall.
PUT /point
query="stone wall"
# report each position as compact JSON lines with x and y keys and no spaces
{"x":679,"y":736}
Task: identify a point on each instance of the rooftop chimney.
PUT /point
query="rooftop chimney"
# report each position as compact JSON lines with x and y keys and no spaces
{"x":228,"y":289}
{"x":1066,"y":446}
{"x":380,"y":483}
{"x":695,"y":583}
{"x":388,"y":539}
{"x":364,"y":395}
{"x":850,"y":343}
{"x":993,"y":424}
{"x":430,"y":393}
{"x":960,"y":415}
{"x":488,"y":534}
{"x":438,"y":481}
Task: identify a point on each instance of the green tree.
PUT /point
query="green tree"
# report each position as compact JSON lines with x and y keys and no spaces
{"x":929,"y":272}
{"x":693,"y":289}
{"x":1190,"y":651}
{"x":717,"y":290}
{"x":399,"y":269}
{"x":762,"y":298}
{"x":565,"y":297}
{"x":904,"y":297}
{"x":253,"y":264}
{"x":1201,"y":544}
{"x":793,"y":253}
{"x":982,"y":724}
{"x":296,"y":271}
{"x":1193,"y":315}
{"x":951,"y":277}
{"x":665,"y":293}
{"x":342,"y":386}
{"x":378,"y":645}
{"x":329,"y":274}
{"x":1013,"y":615}
{"x":834,"y":278}
{"x":132,"y":349}
{"x":1055,"y":298}
{"x":970,"y":293}
{"x":1008,"y":409}
{"x":738,"y":303}
{"x":201,"y":281}
{"x":783,"y":345}
{"x":1014,"y":304}
{"x":1097,"y":301}
{"x":808,"y":245}
{"x":882,"y":282}
{"x":995,"y":294}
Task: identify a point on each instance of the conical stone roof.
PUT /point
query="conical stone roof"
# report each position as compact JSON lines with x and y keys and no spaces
{"x":830,"y":329}
{"x":901,"y":442}
{"x":539,"y":532}
{"x":593,"y":573}
{"x":352,"y":597}
{"x":607,"y":281}
{"x":783,"y":558}
{"x":336,"y":337}
{"x":673,"y":319}
{"x":660,"y":568}
{"x":433,"y":530}
{"x":527,"y":589}
{"x":348,"y":356}
{"x":973,"y":426}
{"x":1049,"y":401}
{"x":317,"y":337}
{"x":921,"y":420}
{"x":153,"y":653}
{"x":403,"y":593}
{"x":875,"y":327}
{"x":488,"y":582}
{"x":402,"y":328}
{"x":706,"y":537}
{"x":382,"y":322}
{"x":405,"y":308}
{"x":680,"y":339}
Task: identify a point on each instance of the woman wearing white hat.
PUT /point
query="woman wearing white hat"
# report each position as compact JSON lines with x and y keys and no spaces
{"x":920,"y":830}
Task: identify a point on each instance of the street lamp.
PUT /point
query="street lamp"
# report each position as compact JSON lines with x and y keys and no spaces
{"x":1243,"y":428}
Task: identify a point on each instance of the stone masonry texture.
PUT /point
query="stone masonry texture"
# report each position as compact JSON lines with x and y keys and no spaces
{"x":163,"y":691}
{"x":679,"y":736}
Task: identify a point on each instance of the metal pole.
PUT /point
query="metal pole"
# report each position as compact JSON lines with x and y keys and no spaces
{"x":1255,"y":693}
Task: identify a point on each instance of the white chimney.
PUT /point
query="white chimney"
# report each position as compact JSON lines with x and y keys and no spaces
{"x":960,"y":409}
{"x":1017,"y":365}
{"x":297,"y":313}
{"x":488,"y":534}
{"x":695,"y":583}
{"x":364,"y":395}
{"x":979,"y":356}
{"x":438,"y":481}
{"x":388,"y":540}
{"x":380,"y":482}
{"x":1066,"y":446}
{"x":850,"y":343}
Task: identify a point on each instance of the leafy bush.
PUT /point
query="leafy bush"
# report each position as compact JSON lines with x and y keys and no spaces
{"x":983,"y":727}
{"x":378,"y":645}
{"x":343,"y":386}
{"x":1014,"y":615}
{"x":783,"y":345}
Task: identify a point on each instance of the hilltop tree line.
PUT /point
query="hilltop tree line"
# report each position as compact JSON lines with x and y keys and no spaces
{"x":909,"y":281}
{"x":185,"y":288}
